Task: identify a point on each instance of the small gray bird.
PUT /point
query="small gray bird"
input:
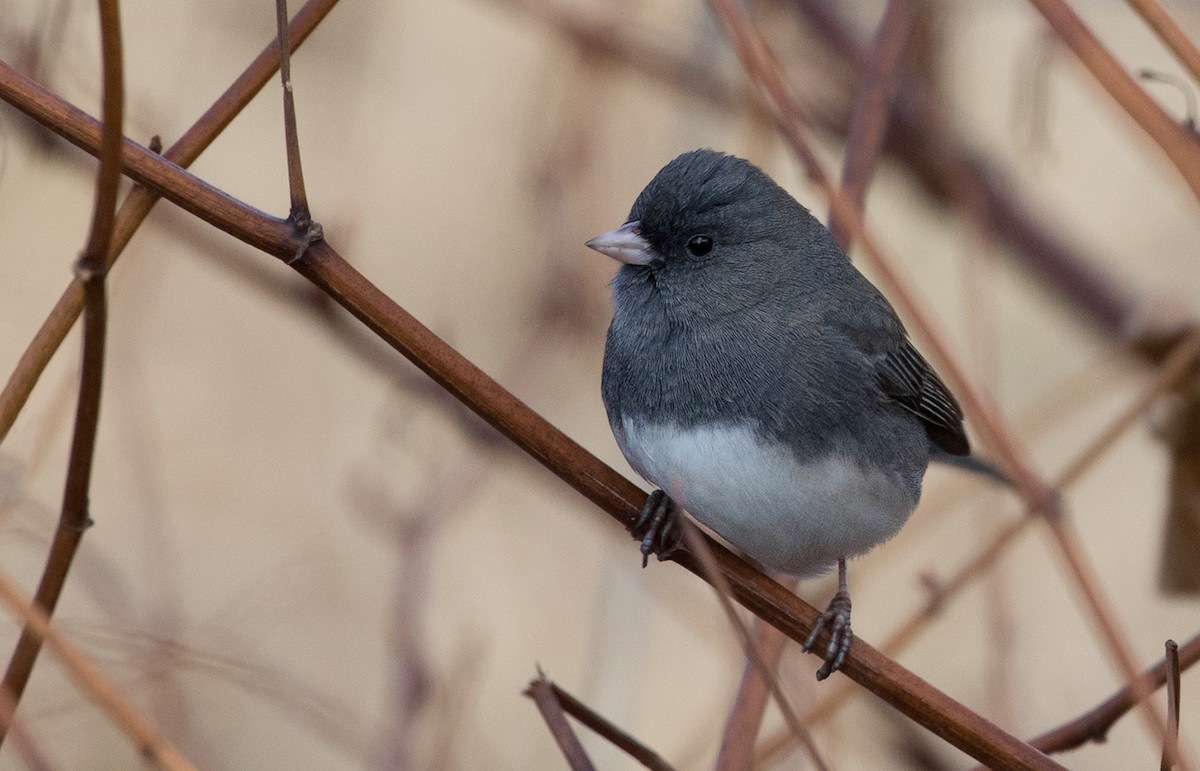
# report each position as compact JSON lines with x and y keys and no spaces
{"x":761,"y":382}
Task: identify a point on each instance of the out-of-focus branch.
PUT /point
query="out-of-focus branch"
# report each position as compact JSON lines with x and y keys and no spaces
{"x":1170,"y":33}
{"x":766,"y":674}
{"x":1178,"y":363}
{"x":1181,"y":148}
{"x":610,"y":43}
{"x":868,"y":126}
{"x":922,"y":140}
{"x":98,"y":688}
{"x":869,"y":121}
{"x":761,"y":65}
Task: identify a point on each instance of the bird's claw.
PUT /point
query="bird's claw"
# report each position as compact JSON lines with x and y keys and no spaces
{"x":657,"y":528}
{"x":837,"y":618}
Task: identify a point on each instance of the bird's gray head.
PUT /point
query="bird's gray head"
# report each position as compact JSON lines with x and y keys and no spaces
{"x":711,"y":225}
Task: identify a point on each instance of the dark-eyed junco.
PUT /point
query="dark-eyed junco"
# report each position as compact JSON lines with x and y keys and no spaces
{"x":757,"y":378}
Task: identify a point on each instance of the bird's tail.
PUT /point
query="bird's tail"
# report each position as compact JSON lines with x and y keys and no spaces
{"x":971,"y":463}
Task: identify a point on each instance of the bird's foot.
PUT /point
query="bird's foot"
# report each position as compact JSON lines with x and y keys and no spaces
{"x":837,"y":618}
{"x":657,"y":527}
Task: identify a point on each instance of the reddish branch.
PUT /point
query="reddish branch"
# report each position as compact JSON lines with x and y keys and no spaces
{"x":922,"y":140}
{"x":1093,"y":725}
{"x":150,"y":744}
{"x":869,"y":120}
{"x":1181,"y":148}
{"x":299,"y":198}
{"x":74,"y":518}
{"x":598,"y":723}
{"x":1171,"y":34}
{"x":556,"y":720}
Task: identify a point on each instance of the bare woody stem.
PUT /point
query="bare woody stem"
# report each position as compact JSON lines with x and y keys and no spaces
{"x":74,"y":518}
{"x":1170,"y":33}
{"x":99,"y":689}
{"x":1183,"y":150}
{"x":300,"y":211}
{"x":869,"y":121}
{"x":547,"y":702}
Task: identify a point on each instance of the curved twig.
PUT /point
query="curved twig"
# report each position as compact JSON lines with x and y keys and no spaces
{"x":74,"y":518}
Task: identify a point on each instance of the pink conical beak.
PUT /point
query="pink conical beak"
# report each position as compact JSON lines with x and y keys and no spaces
{"x":625,"y":244}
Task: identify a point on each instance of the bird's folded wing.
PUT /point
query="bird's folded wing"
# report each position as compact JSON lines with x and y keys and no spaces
{"x":907,"y":379}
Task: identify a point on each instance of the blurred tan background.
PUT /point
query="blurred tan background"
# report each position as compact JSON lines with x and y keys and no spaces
{"x":305,"y":558}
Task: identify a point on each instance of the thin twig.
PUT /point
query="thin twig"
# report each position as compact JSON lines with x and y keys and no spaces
{"x":98,"y":688}
{"x":708,"y":563}
{"x":1174,"y":668}
{"x":1170,"y":33}
{"x":1183,"y":150}
{"x":140,"y":201}
{"x":552,"y":712}
{"x":613,"y":733}
{"x":545,"y":443}
{"x":20,"y":741}
{"x":742,"y":727}
{"x":949,"y":171}
{"x":74,"y":518}
{"x":299,"y":198}
{"x":1095,"y":723}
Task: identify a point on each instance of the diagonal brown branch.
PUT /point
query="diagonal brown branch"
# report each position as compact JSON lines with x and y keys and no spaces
{"x":869,"y":121}
{"x":1094,"y":724}
{"x":102,"y":692}
{"x":941,"y":159}
{"x":1170,"y":33}
{"x":863,"y":145}
{"x":1177,"y":364}
{"x":1183,"y":150}
{"x":712,"y":574}
{"x":546,"y":444}
{"x":74,"y":518}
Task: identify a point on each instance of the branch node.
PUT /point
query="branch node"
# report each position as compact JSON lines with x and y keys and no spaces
{"x":308,"y":230}
{"x":88,"y":270}
{"x":76,"y":527}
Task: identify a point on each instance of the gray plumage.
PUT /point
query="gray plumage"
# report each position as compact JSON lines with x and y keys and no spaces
{"x":774,"y":344}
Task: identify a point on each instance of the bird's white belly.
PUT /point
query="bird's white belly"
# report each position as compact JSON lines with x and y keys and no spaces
{"x":798,"y":517}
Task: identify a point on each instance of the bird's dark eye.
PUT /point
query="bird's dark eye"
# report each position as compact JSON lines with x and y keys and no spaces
{"x":698,"y":246}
